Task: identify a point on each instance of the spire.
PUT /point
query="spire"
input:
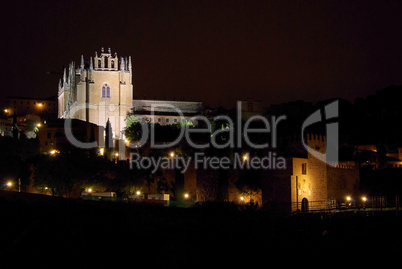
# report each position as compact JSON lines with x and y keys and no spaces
{"x":64,"y":77}
{"x":60,"y":85}
{"x":130,"y":69}
{"x":122,"y":64}
{"x":72,"y":73}
{"x":82,"y":62}
{"x":69,"y":74}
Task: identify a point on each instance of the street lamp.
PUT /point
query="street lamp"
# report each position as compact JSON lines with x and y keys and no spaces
{"x":186,"y":195}
{"x":40,"y":105}
{"x":9,"y":184}
{"x":349,"y":199}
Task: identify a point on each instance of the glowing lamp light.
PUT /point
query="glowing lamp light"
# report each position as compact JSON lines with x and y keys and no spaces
{"x":89,"y":190}
{"x":5,"y":110}
{"x":172,"y":154}
{"x":54,"y":152}
{"x":101,"y":151}
{"x":349,"y":198}
{"x":38,"y":125}
{"x":241,"y":198}
{"x":138,"y":192}
{"x":364,"y":199}
{"x":245,"y":157}
{"x":186,"y":195}
{"x":9,"y":184}
{"x":40,"y":104}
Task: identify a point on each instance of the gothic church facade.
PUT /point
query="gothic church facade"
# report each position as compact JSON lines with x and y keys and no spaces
{"x":99,"y":91}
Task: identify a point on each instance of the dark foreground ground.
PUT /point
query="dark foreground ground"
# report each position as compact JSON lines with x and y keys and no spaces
{"x":51,"y":232}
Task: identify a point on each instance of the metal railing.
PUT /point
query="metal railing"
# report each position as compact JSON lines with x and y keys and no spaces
{"x":369,"y":203}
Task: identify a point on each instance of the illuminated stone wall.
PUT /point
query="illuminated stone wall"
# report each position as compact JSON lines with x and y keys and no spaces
{"x":343,"y":181}
{"x":166,"y":112}
{"x":160,"y":106}
{"x":317,"y":169}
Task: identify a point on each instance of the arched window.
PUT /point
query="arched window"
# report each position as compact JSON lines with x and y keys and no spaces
{"x":105,"y":91}
{"x":99,"y":63}
{"x":112,"y":64}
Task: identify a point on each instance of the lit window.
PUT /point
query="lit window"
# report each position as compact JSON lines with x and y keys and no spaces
{"x":105,"y":91}
{"x":304,"y":168}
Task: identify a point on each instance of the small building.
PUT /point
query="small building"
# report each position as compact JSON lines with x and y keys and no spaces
{"x":311,"y":184}
{"x":167,"y":112}
{"x":164,"y":197}
{"x":52,"y":136}
{"x":46,"y":108}
{"x":250,"y":108}
{"x":379,"y":160}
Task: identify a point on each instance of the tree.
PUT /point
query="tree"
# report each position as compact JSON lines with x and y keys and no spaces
{"x":249,"y":182}
{"x":108,"y":141}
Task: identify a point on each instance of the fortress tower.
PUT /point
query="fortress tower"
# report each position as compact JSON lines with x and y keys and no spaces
{"x":98,"y":90}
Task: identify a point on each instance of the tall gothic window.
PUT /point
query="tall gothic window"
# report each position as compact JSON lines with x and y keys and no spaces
{"x":105,"y":91}
{"x":112,"y":64}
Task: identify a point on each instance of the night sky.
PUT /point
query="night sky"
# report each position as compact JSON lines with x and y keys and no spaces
{"x":211,"y":51}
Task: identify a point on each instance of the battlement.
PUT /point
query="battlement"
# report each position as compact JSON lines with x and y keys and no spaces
{"x":315,"y":137}
{"x":348,"y":165}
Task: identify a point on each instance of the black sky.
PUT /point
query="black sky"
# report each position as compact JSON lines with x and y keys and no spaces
{"x":211,"y":51}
